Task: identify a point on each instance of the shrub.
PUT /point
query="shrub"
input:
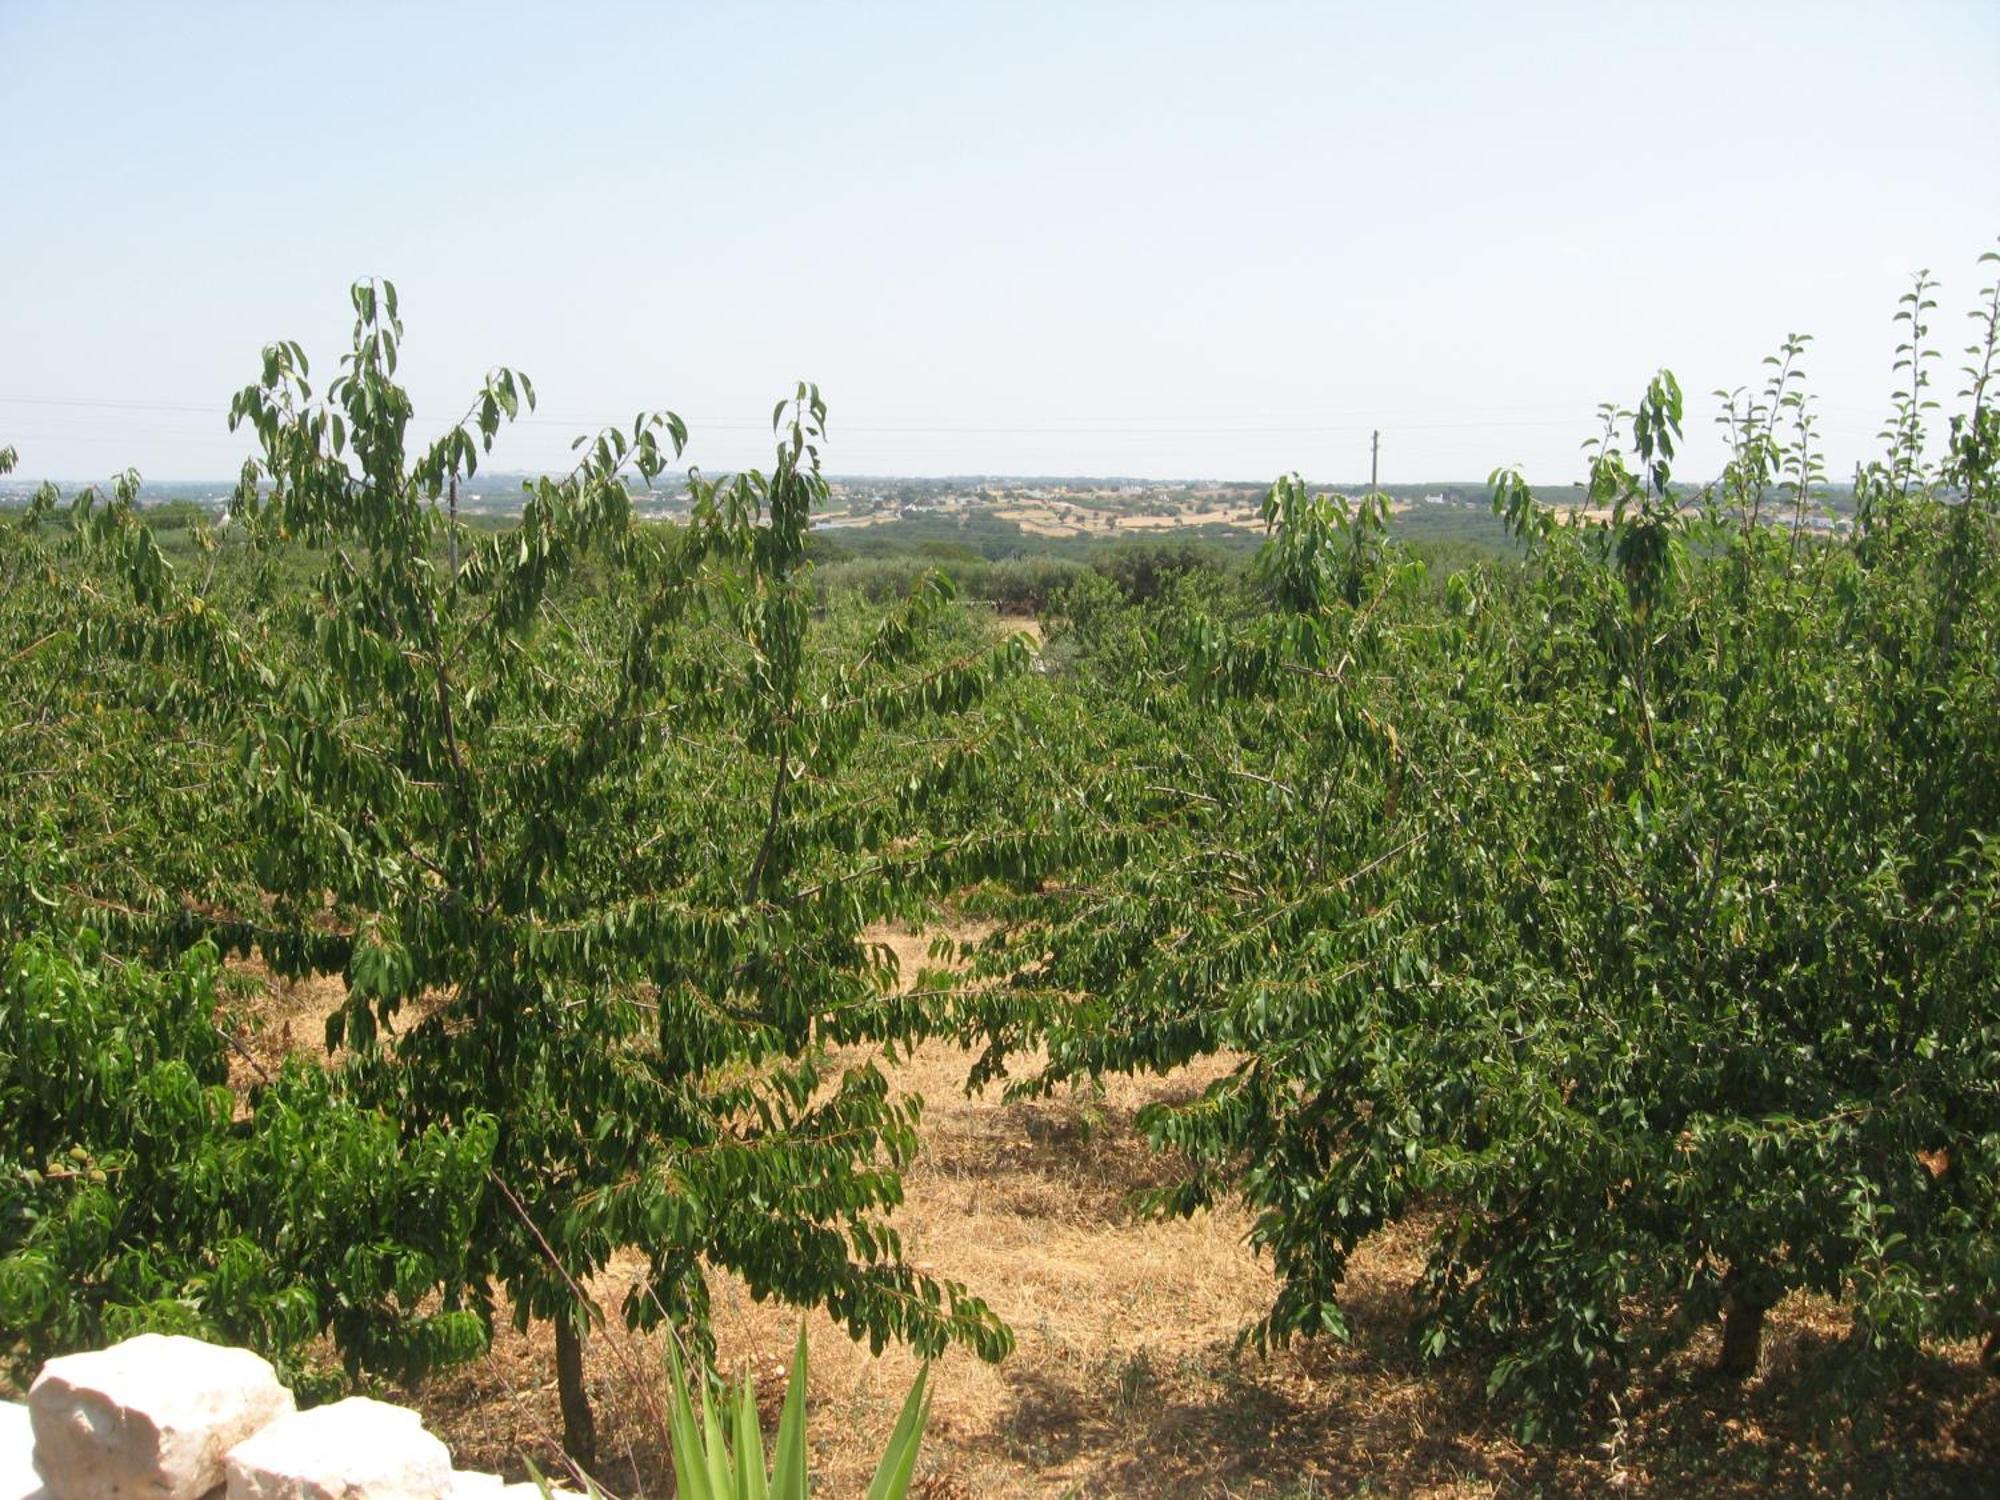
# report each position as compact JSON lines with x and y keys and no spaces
{"x":134,"y":1199}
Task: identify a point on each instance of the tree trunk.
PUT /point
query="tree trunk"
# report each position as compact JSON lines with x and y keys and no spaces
{"x":1751,"y":1293}
{"x":579,"y":1427}
{"x":1742,"y":1339}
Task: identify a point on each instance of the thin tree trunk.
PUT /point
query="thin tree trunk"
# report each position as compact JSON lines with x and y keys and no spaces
{"x":579,"y":1426}
{"x":1742,"y":1340}
{"x":1751,"y":1293}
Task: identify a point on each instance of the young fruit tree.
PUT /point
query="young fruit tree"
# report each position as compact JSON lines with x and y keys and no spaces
{"x":583,"y":856}
{"x":1626,"y":924}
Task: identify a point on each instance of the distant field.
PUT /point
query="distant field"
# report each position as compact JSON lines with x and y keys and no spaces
{"x":999,"y":518}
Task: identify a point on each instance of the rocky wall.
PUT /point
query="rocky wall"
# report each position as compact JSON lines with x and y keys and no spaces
{"x":160,"y":1417}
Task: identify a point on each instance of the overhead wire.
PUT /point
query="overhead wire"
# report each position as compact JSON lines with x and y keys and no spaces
{"x":1159,"y":427}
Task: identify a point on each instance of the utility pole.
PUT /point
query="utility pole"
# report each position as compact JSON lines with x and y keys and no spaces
{"x":1374,"y":458}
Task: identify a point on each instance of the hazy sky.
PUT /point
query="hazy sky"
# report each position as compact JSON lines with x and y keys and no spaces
{"x":1161,"y":239}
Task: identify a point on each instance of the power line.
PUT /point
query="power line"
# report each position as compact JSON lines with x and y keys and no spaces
{"x":1369,"y":422}
{"x":1157,"y":428}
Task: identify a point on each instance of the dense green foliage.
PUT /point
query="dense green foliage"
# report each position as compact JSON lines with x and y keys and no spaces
{"x":581,"y":847}
{"x":1630,"y":919}
{"x":133,"y":1200}
{"x":1021,"y":585}
{"x":1620,"y":913}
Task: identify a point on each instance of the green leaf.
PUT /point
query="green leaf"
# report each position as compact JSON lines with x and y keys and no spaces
{"x":899,"y":1459}
{"x":788,"y":1459}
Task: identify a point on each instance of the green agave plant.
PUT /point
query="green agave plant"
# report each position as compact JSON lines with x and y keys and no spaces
{"x":720,"y":1455}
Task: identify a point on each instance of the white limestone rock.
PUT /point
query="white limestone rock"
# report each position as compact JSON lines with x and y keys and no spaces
{"x":18,"y":1479}
{"x":148,"y":1419}
{"x":467,"y":1485}
{"x":355,"y":1449}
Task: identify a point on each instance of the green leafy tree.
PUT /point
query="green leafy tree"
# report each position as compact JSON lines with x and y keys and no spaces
{"x":1630,"y":921}
{"x":133,"y":1199}
{"x":587,"y":864}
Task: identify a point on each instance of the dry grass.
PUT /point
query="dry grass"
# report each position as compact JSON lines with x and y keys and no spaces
{"x":1246,"y":517}
{"x":272,"y":1019}
{"x":1044,"y":520}
{"x":1124,"y":1382}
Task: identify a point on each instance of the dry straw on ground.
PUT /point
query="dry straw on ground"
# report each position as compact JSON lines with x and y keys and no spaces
{"x":1125,"y":1382}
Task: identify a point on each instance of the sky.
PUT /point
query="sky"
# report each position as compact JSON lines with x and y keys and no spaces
{"x":1162,"y":240}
